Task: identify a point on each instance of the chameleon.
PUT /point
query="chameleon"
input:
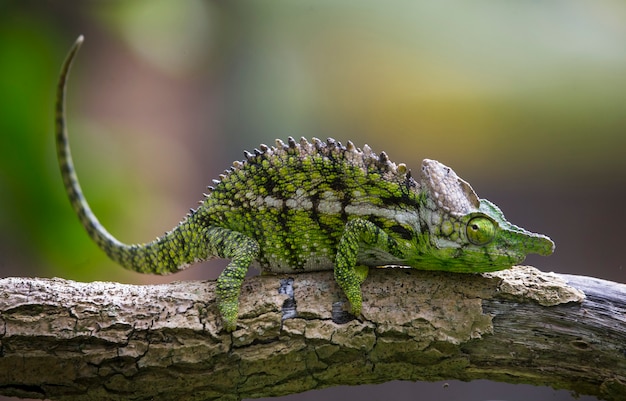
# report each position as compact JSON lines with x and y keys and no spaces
{"x":316,"y":205}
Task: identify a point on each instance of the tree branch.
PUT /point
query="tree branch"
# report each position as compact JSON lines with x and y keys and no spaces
{"x":100,"y":341}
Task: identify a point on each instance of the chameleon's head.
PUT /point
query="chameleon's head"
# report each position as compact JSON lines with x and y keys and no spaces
{"x":467,"y":233}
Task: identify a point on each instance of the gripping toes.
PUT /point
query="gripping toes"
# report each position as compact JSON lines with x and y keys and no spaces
{"x":229,"y":309}
{"x":350,"y":283}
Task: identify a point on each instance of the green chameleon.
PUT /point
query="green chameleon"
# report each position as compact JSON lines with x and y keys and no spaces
{"x":308,"y":206}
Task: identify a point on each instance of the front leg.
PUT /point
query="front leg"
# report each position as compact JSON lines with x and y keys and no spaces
{"x":241,"y":250}
{"x":357,"y":235}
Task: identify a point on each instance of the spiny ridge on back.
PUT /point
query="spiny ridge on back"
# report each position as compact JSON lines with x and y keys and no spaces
{"x":365,"y":158}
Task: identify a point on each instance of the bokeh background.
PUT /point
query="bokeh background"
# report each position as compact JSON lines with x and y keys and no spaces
{"x":525,"y":100}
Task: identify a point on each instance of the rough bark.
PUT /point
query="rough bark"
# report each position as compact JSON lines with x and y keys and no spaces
{"x":101,"y":341}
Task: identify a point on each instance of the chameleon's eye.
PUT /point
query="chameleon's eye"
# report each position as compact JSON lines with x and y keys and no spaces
{"x":480,"y":230}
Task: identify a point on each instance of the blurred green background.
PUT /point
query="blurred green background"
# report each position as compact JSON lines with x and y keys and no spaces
{"x":525,"y":100}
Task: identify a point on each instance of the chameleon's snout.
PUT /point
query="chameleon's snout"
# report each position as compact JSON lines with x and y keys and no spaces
{"x":543,"y":245}
{"x":535,"y":243}
{"x":515,"y":238}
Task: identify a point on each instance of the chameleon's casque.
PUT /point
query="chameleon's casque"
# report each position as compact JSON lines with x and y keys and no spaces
{"x":304,"y":206}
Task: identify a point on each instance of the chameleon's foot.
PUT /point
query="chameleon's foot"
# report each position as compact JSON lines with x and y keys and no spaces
{"x":228,"y":312}
{"x":353,"y":292}
{"x":229,"y":326}
{"x":356,"y":301}
{"x":350,"y":282}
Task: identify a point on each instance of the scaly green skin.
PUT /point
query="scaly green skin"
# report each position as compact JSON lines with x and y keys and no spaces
{"x":318,"y":206}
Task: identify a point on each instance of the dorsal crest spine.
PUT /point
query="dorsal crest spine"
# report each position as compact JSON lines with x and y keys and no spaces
{"x":364,"y":158}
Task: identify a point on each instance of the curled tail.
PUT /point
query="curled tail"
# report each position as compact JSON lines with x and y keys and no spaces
{"x":185,"y":244}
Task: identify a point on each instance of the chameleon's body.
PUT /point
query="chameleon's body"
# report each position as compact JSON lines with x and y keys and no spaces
{"x":306,"y":206}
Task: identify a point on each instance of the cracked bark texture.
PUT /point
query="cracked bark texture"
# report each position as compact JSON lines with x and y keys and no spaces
{"x":65,"y":340}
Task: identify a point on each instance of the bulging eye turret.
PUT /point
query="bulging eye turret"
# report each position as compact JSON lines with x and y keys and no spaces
{"x":480,"y":230}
